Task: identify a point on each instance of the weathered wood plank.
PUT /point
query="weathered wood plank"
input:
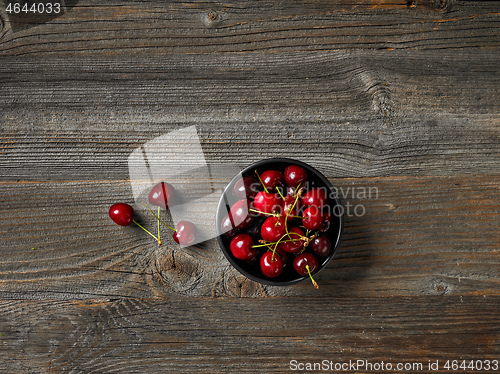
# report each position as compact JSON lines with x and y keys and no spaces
{"x":403,"y":236}
{"x":205,"y":27}
{"x":244,"y":336}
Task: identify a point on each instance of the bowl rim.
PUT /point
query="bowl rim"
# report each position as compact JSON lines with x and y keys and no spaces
{"x":222,"y":202}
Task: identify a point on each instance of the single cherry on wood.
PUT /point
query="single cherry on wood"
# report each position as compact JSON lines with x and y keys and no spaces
{"x":161,"y":194}
{"x":185,"y":233}
{"x":122,"y":214}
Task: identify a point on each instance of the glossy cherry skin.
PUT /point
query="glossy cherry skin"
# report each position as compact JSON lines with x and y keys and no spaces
{"x":315,"y":197}
{"x":240,"y":214}
{"x":321,"y":246}
{"x":313,"y":218}
{"x":185,"y":233}
{"x":227,"y":227}
{"x":300,"y":262}
{"x":246,"y":187}
{"x":273,"y":229}
{"x":272,"y":179}
{"x":161,"y":194}
{"x":271,"y":266}
{"x":289,"y":246}
{"x":295,"y":175}
{"x":267,"y":202}
{"x":291,"y":208}
{"x":122,"y":214}
{"x":241,"y":247}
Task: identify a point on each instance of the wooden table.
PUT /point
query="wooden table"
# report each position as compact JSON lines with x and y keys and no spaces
{"x":400,"y":98}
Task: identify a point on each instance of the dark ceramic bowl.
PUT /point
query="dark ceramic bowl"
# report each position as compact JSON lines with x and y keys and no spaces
{"x":288,"y":276}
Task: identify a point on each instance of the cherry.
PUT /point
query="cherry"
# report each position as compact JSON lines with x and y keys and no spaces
{"x":227,"y":226}
{"x":161,"y":194}
{"x":266,"y":202}
{"x":273,"y":229}
{"x":185,"y":233}
{"x":246,"y":187}
{"x":122,"y":214}
{"x":271,"y":264}
{"x":321,"y":246}
{"x":306,"y":264}
{"x":241,"y":247}
{"x":240,"y":215}
{"x":291,"y":207}
{"x":315,"y":197}
{"x":313,"y":218}
{"x":291,"y":242}
{"x":271,"y":179}
{"x":295,"y":175}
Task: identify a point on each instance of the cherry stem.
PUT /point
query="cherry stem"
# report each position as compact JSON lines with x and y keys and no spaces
{"x":260,"y":180}
{"x":279,"y":193}
{"x":158,"y":218}
{"x":312,"y":279}
{"x":157,"y":239}
{"x":258,"y":211}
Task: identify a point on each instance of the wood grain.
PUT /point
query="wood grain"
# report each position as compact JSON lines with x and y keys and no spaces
{"x":403,"y":236}
{"x":112,"y":26}
{"x":244,"y":336}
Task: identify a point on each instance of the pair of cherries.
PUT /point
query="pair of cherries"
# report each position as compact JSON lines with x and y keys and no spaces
{"x":278,"y":213}
{"x":160,"y":195}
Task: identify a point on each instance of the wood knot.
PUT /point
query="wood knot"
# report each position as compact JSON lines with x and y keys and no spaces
{"x":212,"y":18}
{"x":178,"y":270}
{"x":237,"y":285}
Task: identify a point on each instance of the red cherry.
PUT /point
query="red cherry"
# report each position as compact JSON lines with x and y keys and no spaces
{"x":273,"y":229}
{"x":288,"y":203}
{"x":321,"y":246}
{"x":315,"y":197}
{"x":295,"y":175}
{"x":271,"y":265}
{"x":246,"y":187}
{"x":240,"y":215}
{"x":227,"y":226}
{"x":313,"y":218}
{"x":291,"y":242}
{"x":254,"y":229}
{"x":122,"y":214}
{"x":300,"y":262}
{"x":272,"y":179}
{"x":161,"y":194}
{"x":241,"y":247}
{"x":185,"y":233}
{"x":267,"y":202}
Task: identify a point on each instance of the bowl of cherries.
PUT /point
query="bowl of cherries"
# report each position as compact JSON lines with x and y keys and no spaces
{"x":279,"y":222}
